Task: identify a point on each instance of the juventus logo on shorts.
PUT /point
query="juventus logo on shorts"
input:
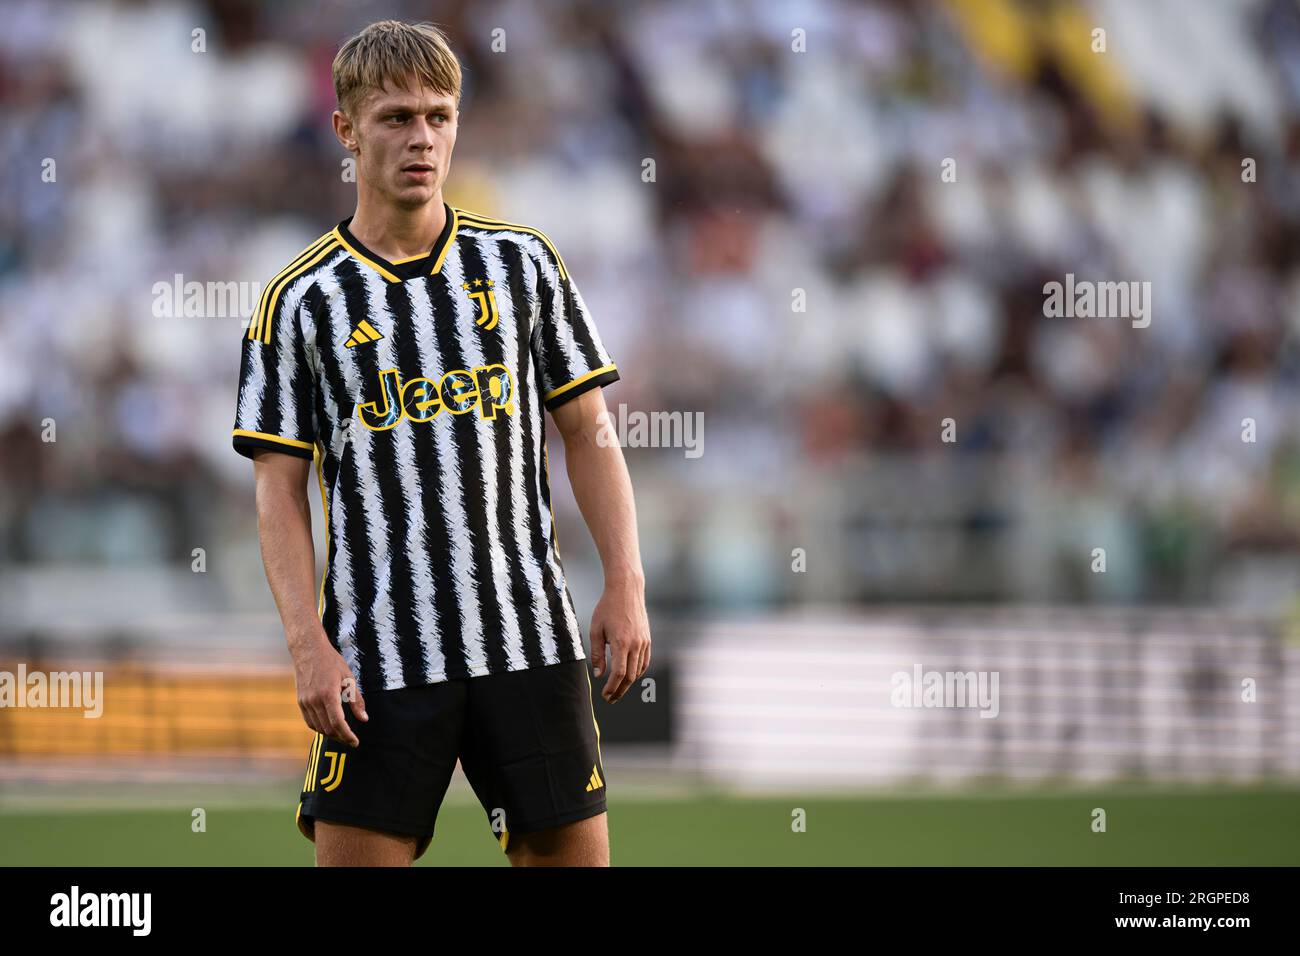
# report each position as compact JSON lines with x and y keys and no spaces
{"x":334,"y":777}
{"x":480,"y":290}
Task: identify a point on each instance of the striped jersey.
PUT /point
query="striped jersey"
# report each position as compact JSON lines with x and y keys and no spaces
{"x":418,"y":388}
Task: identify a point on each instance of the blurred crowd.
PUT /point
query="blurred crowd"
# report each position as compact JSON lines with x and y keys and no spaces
{"x":825,"y":225}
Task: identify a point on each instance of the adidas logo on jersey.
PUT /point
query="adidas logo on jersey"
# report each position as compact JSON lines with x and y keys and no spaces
{"x":363,"y":333}
{"x":595,"y":783}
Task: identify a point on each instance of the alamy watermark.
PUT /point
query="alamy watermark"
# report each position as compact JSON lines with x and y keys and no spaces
{"x":203,"y":300}
{"x":62,"y":689}
{"x":961,"y":689}
{"x":637,"y":429}
{"x":1085,"y":299}
{"x":128,"y":910}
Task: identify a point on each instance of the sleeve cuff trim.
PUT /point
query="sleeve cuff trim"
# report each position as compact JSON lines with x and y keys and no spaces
{"x":601,"y":376}
{"x":245,"y":441}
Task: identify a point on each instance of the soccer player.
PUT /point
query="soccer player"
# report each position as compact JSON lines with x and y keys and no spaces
{"x":410,"y":352}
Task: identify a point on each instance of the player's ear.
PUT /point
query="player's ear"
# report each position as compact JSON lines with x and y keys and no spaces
{"x":344,"y":131}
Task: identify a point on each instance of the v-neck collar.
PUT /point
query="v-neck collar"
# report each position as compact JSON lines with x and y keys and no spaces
{"x":403,"y":269}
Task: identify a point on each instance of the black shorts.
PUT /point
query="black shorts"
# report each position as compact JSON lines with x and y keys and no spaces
{"x":527,"y":740}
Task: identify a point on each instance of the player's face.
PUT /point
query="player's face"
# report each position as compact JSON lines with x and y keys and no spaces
{"x":404,"y":140}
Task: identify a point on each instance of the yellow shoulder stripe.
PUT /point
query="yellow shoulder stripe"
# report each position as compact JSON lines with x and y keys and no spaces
{"x":268,"y":316}
{"x":255,"y":324}
{"x":487,"y":222}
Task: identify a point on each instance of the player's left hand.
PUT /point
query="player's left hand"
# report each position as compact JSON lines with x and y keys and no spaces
{"x":619,"y":622}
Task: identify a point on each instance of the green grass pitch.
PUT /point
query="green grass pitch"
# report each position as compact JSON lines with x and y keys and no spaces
{"x":1207,"y":826}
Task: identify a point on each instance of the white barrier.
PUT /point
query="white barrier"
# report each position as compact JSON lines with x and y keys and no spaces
{"x":1078,"y":695}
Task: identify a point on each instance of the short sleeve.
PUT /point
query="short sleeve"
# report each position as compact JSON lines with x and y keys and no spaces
{"x":274,"y":410}
{"x":570,"y":356}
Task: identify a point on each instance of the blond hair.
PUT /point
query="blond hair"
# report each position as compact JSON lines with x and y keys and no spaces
{"x":391,"y":53}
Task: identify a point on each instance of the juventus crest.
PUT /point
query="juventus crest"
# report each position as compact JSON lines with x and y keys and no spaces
{"x":480,"y":290}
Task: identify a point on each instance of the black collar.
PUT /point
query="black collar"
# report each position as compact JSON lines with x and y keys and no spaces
{"x":422,"y":265}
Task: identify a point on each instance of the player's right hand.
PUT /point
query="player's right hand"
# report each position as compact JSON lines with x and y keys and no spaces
{"x":324,"y":681}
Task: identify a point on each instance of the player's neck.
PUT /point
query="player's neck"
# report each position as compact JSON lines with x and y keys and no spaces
{"x":397,"y":233}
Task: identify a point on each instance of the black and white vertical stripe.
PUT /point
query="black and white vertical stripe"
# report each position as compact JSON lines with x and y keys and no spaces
{"x":441,"y":563}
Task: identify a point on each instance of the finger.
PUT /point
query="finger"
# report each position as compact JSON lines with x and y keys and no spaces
{"x":355,"y":699}
{"x":323,"y":722}
{"x":634,"y":674}
{"x":338,"y":722}
{"x":359,"y":706}
{"x":617,"y":673}
{"x":314,"y":717}
{"x":597,"y":651}
{"x":629,"y":680}
{"x":633,"y":667}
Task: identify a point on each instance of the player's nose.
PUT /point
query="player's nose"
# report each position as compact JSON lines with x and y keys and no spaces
{"x":421,"y":135}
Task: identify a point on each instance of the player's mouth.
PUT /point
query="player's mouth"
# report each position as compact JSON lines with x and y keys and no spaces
{"x":418,"y":170}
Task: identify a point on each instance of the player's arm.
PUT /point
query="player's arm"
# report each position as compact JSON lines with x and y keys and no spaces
{"x":284,"y":529}
{"x":603,"y":490}
{"x":275,"y":427}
